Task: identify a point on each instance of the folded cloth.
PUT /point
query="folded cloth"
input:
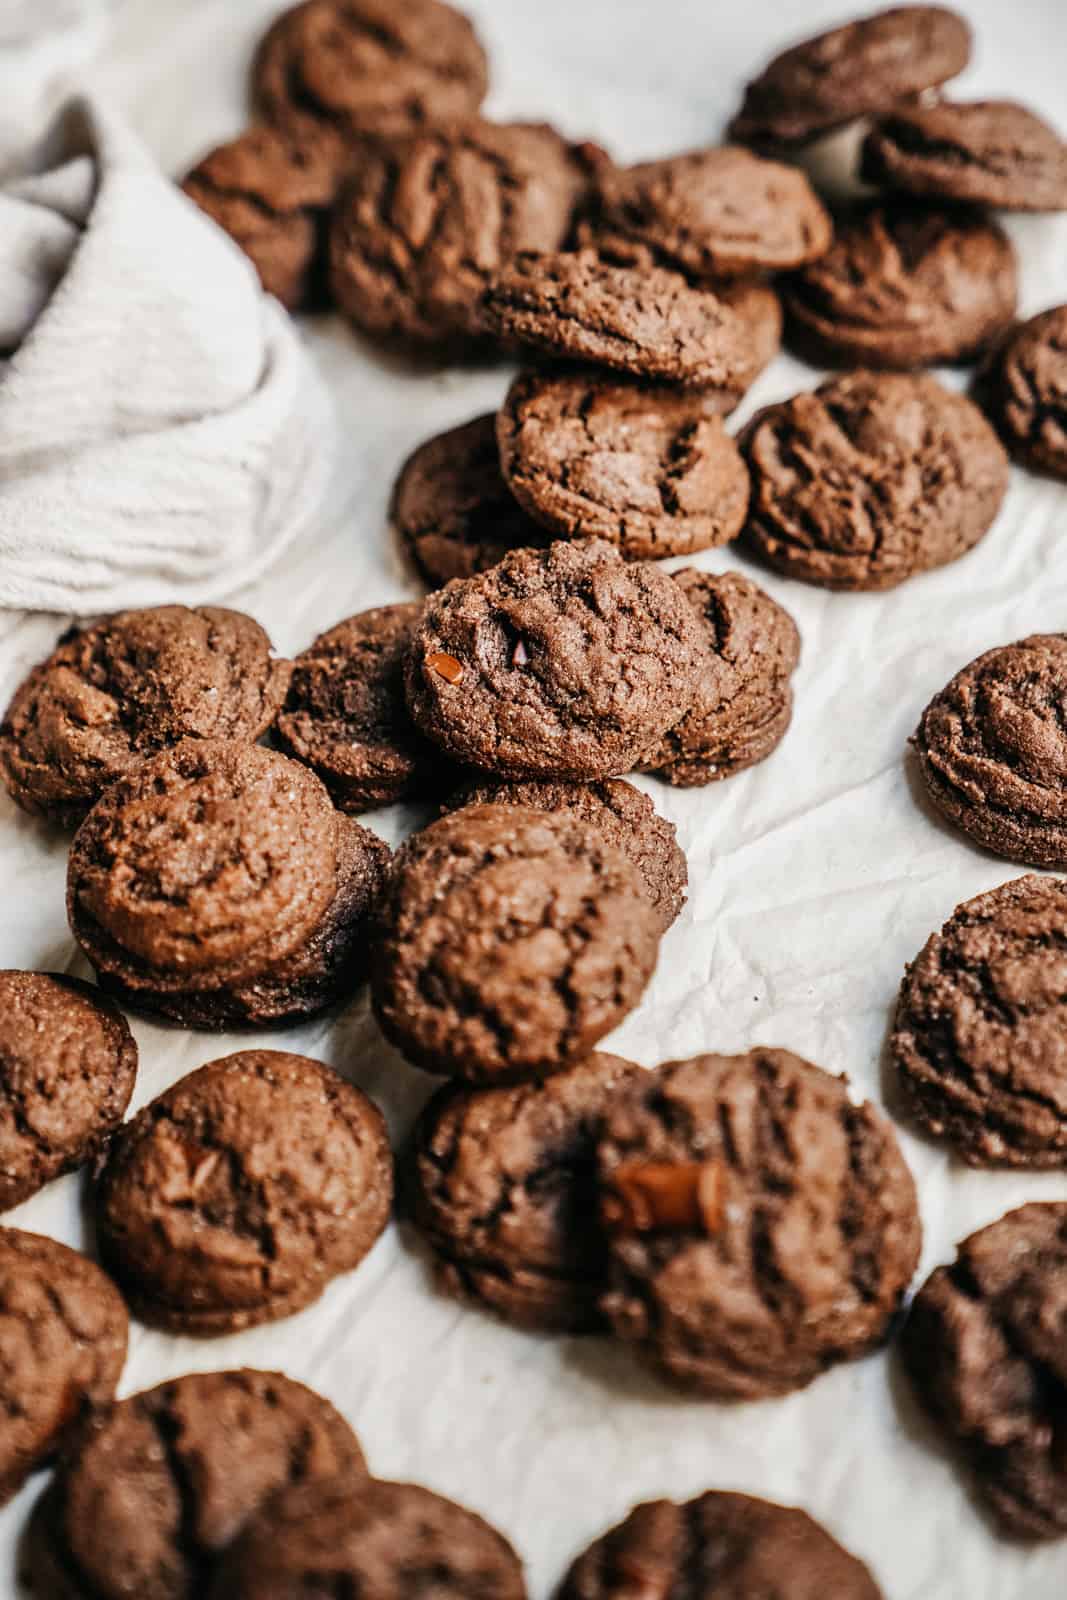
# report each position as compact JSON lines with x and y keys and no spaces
{"x":163,"y":432}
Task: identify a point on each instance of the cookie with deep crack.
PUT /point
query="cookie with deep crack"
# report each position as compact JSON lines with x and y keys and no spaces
{"x":236,"y":1196}
{"x":979,"y":1042}
{"x":870,"y":479}
{"x":112,"y":694}
{"x":905,"y":285}
{"x":644,"y":468}
{"x":159,"y":1485}
{"x":763,"y":1226}
{"x":68,"y":1063}
{"x":1023,"y":390}
{"x":504,"y":1191}
{"x":511,"y":941}
{"x":63,"y":1329}
{"x":983,"y":1345}
{"x":744,"y":702}
{"x":721,"y":1544}
{"x":989,"y":152}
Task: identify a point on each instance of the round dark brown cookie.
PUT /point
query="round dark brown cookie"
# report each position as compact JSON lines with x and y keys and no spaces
{"x":68,"y":1064}
{"x":760,"y":309}
{"x":904,"y":286}
{"x":63,"y":1331}
{"x":560,"y":663}
{"x":646,"y":469}
{"x":993,"y":750}
{"x":237,"y":1195}
{"x":271,"y":195}
{"x":511,"y":942}
{"x":160,"y":1485}
{"x":621,"y":814}
{"x":991,"y":152}
{"x":427,"y":219}
{"x":373,"y":1539}
{"x":346,"y":717}
{"x":871,"y":479}
{"x":984,"y":1346}
{"x":980,"y":1042}
{"x":763,"y":1226}
{"x":504,"y":1190}
{"x":725,"y":1545}
{"x":140,"y":681}
{"x":713,"y":214}
{"x":647,"y":322}
{"x":342,"y":67}
{"x":744,"y":703}
{"x":1023,"y":389}
{"x":452,"y":508}
{"x":865,"y":67}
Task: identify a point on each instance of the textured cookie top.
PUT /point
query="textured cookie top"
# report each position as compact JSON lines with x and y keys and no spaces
{"x":561,"y":663}
{"x":1024,"y":390}
{"x":743,"y":696}
{"x":980,"y":1039}
{"x":512,"y":940}
{"x":866,"y":66}
{"x":377,"y":1538}
{"x":870,"y":479}
{"x":644,"y":468}
{"x":904,"y":286}
{"x":63,"y":1330}
{"x":644,"y":321}
{"x":425,"y":221}
{"x":717,"y":213}
{"x":67,"y":1068}
{"x":206,"y":863}
{"x":162,"y":1483}
{"x":984,"y":1346}
{"x":350,"y":65}
{"x":244,"y":1187}
{"x":452,"y":508}
{"x":136,"y":683}
{"x":727,"y":1545}
{"x":993,"y":749}
{"x":993,"y":152}
{"x":763,"y":1225}
{"x":267,"y":168}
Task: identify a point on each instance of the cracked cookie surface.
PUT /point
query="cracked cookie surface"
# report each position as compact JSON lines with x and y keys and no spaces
{"x":1023,"y":389}
{"x":990,"y":152}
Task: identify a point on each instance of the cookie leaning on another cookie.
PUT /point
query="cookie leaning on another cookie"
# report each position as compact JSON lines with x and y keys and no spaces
{"x":990,"y":152}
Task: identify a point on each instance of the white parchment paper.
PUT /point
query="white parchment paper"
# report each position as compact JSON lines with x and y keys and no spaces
{"x":813,"y":877}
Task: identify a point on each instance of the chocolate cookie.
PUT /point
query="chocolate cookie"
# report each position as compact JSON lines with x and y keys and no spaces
{"x":763,"y":1226}
{"x":63,"y":1330}
{"x":1024,"y":391}
{"x":644,"y":468}
{"x":984,"y":1347}
{"x":67,"y":1068}
{"x":722,"y":1545}
{"x":993,"y":750}
{"x":504,"y":1189}
{"x":235,"y":1197}
{"x":867,"y":66}
{"x":453,"y":511}
{"x":427,"y":219}
{"x":160,"y":1484}
{"x":871,"y":479}
{"x":621,"y":814}
{"x":511,"y":942}
{"x":904,"y":286}
{"x":271,"y":195}
{"x":138,"y":682}
{"x":713,"y":214}
{"x":346,"y":716}
{"x":760,"y":310}
{"x":560,"y":663}
{"x":335,"y":68}
{"x":370,"y":1539}
{"x":649,"y":323}
{"x":744,"y":702}
{"x":979,"y":1040}
{"x":993,"y":152}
